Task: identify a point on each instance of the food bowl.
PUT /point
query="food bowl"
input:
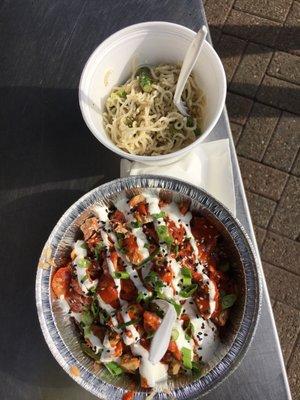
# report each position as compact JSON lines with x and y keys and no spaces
{"x":59,"y":330}
{"x":150,"y":43}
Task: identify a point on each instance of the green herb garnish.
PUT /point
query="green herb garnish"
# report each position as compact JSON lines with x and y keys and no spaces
{"x":95,"y":308}
{"x":136,"y":224}
{"x":178,"y":307}
{"x":98,"y":248}
{"x":148,"y":259}
{"x":128,"y":323}
{"x":187,"y":358}
{"x":156,"y":216}
{"x":196,"y":368}
{"x":164,"y":235}
{"x":114,"y":368}
{"x":156,"y":283}
{"x":121,"y":275}
{"x":190,"y":122}
{"x":86,"y":318}
{"x":89,"y":352}
{"x":228,"y":300}
{"x":83,"y":279}
{"x":188,"y":291}
{"x":121,"y":93}
{"x":197,"y":132}
{"x":186,"y":276}
{"x":145,"y":79}
{"x":174,"y":334}
{"x":83,"y":263}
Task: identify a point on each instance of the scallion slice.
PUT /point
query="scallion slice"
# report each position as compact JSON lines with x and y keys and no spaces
{"x":187,"y":358}
{"x":188,"y":291}
{"x":186,"y":276}
{"x":121,"y":275}
{"x":114,"y":368}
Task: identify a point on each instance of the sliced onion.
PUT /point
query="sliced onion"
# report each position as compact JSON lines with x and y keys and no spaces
{"x":161,"y":338}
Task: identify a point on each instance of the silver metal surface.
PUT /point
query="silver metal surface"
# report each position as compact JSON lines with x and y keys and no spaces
{"x":59,"y":331}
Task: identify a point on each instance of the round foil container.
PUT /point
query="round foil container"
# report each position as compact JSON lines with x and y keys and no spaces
{"x":59,"y":330}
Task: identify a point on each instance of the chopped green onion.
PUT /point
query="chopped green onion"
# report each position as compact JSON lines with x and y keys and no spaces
{"x":224,"y":267}
{"x":142,"y":296}
{"x":148,"y":259}
{"x":164,"y":235}
{"x":161,"y":214}
{"x":136,"y":224}
{"x":98,"y":248}
{"x":174,"y":249}
{"x":145,"y":80}
{"x":228,"y":300}
{"x":114,"y":368}
{"x":174,"y":334}
{"x":150,"y":335}
{"x":120,"y":248}
{"x":187,"y":276}
{"x":89,"y":352}
{"x":188,"y":291}
{"x":178,"y":307}
{"x":120,"y":236}
{"x":128,"y":323}
{"x":146,"y":245}
{"x":95,"y":308}
{"x":187,"y":358}
{"x":196,"y":368}
{"x":103,"y":317}
{"x":83,"y":263}
{"x":83,"y":246}
{"x":122,"y":93}
{"x":86,"y":318}
{"x":197,"y":132}
{"x":83,"y":279}
{"x":190,"y":121}
{"x":121,"y":275}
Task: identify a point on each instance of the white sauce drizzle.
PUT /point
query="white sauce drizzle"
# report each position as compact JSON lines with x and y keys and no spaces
{"x":135,"y":336}
{"x":84,"y":281}
{"x":181,"y":341}
{"x":205,"y":333}
{"x":154,"y":374}
{"x":64,"y":305}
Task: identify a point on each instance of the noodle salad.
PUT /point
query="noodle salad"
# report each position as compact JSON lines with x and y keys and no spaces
{"x":133,"y":256}
{"x":141,"y":118}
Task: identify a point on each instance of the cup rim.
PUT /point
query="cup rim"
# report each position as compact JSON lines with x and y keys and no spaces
{"x":109,"y":41}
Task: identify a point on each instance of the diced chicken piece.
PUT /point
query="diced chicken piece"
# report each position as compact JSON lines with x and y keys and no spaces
{"x":222,"y":318}
{"x":89,"y":227}
{"x":129,"y":363}
{"x":139,"y":198}
{"x":114,"y":338}
{"x":174,"y":367}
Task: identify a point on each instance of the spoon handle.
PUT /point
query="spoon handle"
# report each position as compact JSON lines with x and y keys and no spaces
{"x":189,"y":62}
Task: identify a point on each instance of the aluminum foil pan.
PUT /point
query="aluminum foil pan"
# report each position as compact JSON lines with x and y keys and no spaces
{"x":59,"y":331}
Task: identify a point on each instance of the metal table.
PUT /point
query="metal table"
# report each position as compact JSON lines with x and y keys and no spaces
{"x":49,"y":159}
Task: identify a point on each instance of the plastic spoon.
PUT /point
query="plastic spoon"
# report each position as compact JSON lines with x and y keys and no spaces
{"x":188,"y":64}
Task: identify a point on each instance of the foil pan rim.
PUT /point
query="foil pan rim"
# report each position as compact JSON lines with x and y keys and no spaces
{"x":244,"y":336}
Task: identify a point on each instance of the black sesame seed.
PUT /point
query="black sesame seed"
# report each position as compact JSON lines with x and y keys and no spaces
{"x":108,"y":350}
{"x":135,"y":276}
{"x":190,"y":302}
{"x":205,"y":334}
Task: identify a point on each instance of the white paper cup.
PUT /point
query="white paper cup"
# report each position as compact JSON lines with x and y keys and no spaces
{"x":151,"y":43}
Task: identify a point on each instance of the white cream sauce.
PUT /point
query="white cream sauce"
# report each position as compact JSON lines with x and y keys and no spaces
{"x":95,"y":342}
{"x":134,"y":335}
{"x":154,"y":374}
{"x":84,"y":281}
{"x":205,"y":333}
